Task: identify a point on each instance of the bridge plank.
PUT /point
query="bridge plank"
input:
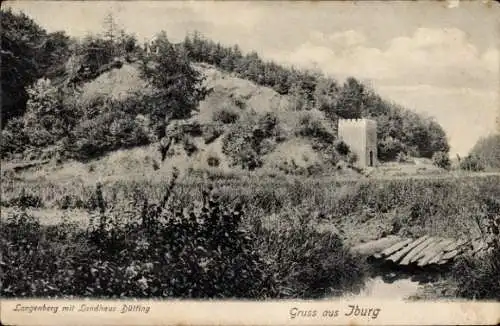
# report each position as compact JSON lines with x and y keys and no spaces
{"x":415,"y":251}
{"x":455,"y":245}
{"x":431,"y":246}
{"x":398,"y":255}
{"x":437,"y":258}
{"x":451,"y":254}
{"x":432,"y":251}
{"x":392,"y":249}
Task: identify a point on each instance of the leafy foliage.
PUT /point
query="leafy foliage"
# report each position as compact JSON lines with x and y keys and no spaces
{"x":441,"y":160}
{"x":225,"y":115}
{"x":487,"y":150}
{"x":168,"y":249}
{"x":108,"y":131}
{"x":28,"y":53}
{"x":249,"y":139}
{"x":399,"y":130}
{"x":471,"y":163}
{"x":325,"y":268}
{"x":479,"y":277}
{"x":177,"y":85}
{"x":153,"y":250}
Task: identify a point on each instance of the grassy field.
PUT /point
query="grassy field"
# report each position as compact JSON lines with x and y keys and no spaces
{"x":364,"y":208}
{"x":301,"y":225}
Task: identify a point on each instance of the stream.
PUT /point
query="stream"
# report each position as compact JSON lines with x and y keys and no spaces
{"x":398,"y":290}
{"x":389,"y":281}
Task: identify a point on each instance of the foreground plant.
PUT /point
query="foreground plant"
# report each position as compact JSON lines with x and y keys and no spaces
{"x":150,"y":250}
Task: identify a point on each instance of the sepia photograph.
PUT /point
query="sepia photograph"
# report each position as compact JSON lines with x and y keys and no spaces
{"x":249,"y":151}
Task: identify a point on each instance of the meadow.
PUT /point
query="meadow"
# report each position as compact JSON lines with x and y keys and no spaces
{"x":229,"y":235}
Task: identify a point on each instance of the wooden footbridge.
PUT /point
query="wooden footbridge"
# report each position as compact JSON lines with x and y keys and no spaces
{"x":421,"y":251}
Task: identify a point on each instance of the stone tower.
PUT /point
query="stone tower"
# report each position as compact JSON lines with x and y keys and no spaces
{"x":361,"y":136}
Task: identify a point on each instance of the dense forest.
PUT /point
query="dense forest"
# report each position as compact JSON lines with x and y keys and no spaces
{"x":42,"y":73}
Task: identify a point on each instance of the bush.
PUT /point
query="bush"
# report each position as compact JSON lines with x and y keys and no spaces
{"x":471,"y":163}
{"x":441,"y":160}
{"x":25,"y":200}
{"x":247,"y":141}
{"x":225,"y":115}
{"x":211,"y":132}
{"x":107,"y":131}
{"x":309,"y":263}
{"x":189,"y":146}
{"x":14,"y":138}
{"x":213,"y":161}
{"x":352,"y":158}
{"x":402,"y":157}
{"x":269,"y":124}
{"x":312,"y":127}
{"x":478,"y":278}
{"x":389,"y":148}
{"x":488,"y":151}
{"x":341,"y":147}
{"x":154,"y":250}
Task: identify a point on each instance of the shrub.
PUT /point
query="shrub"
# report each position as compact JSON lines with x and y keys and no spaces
{"x":107,"y":131}
{"x":25,"y":200}
{"x":488,"y":151}
{"x":312,"y":127}
{"x":341,"y":147}
{"x":213,"y":161}
{"x":389,"y":148}
{"x":269,"y":124}
{"x":49,"y":115}
{"x":352,"y":158}
{"x":41,"y":259}
{"x":152,"y":250}
{"x":211,"y":132}
{"x":14,"y":138}
{"x":442,"y":160}
{"x":308,"y":263}
{"x":243,"y":144}
{"x":478,"y":277}
{"x":225,"y":115}
{"x":189,"y":146}
{"x":402,"y":157}
{"x":471,"y":163}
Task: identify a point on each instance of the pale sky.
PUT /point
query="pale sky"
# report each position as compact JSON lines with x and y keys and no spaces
{"x":438,"y":58}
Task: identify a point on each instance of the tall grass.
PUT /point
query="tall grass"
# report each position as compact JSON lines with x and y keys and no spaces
{"x":447,"y":207}
{"x":170,"y":249}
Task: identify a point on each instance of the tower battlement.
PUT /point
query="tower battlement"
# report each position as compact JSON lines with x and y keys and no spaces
{"x":361,"y":136}
{"x":360,"y":121}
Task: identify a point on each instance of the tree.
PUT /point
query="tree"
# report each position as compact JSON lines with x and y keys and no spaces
{"x":22,"y":47}
{"x":110,"y":28}
{"x":471,"y":163}
{"x":49,"y":115}
{"x":94,"y":53}
{"x":388,"y":148}
{"x":56,"y":52}
{"x":487,"y":149}
{"x":326,"y":95}
{"x":349,"y":105}
{"x":178,"y":87}
{"x":442,"y":160}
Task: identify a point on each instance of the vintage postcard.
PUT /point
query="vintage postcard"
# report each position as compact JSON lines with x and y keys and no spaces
{"x":250,"y":163}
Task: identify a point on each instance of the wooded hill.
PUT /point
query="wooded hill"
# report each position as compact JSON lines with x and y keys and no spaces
{"x":46,"y":113}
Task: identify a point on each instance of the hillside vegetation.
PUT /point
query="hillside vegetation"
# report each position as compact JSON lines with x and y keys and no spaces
{"x":188,"y":171}
{"x":487,"y":151}
{"x":104,"y":93}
